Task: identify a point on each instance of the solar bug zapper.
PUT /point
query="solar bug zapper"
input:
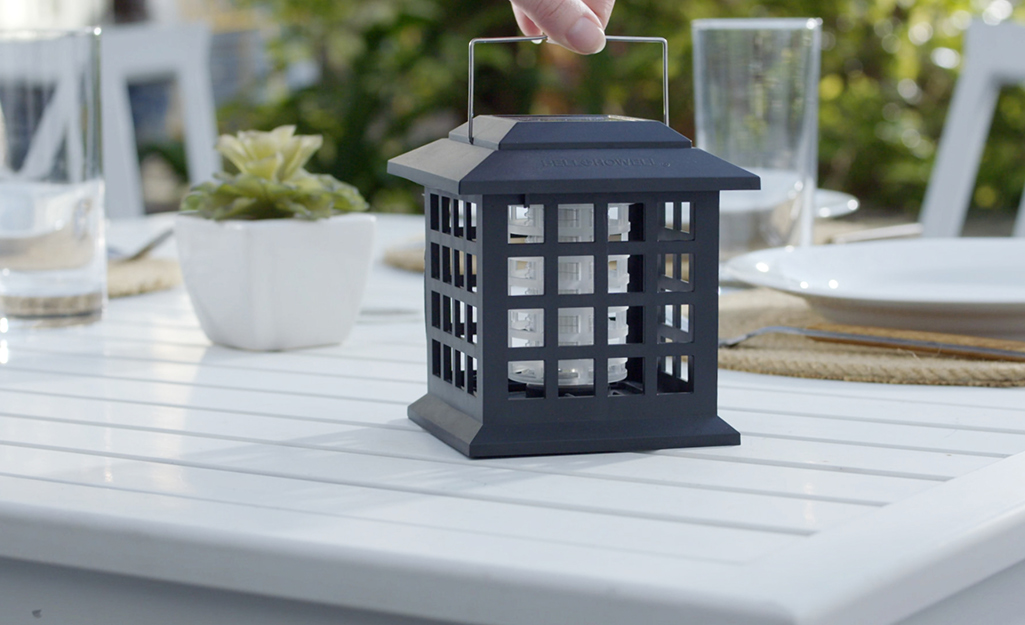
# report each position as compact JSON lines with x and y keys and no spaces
{"x":571,"y":282}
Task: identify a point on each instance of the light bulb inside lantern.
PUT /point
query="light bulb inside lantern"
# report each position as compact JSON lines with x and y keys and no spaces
{"x":576,"y":276}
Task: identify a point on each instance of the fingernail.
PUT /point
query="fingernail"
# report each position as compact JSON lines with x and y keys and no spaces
{"x":586,"y":37}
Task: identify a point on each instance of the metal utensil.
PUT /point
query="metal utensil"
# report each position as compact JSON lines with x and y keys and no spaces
{"x":152,"y":244}
{"x":899,"y":231}
{"x":925,"y":342}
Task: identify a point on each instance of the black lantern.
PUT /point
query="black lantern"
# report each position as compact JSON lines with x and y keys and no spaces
{"x":571,"y":284}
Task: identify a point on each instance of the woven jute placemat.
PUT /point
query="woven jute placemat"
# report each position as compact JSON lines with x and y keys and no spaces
{"x":409,"y":254}
{"x":123,"y":279}
{"x":797,"y":356}
{"x":142,"y":276}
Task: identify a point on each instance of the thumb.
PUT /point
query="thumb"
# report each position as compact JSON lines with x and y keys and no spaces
{"x":569,"y":23}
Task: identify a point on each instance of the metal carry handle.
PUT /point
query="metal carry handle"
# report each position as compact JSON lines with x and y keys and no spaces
{"x":542,"y":38}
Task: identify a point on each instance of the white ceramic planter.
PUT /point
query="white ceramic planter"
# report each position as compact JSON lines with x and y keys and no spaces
{"x":278,"y":283}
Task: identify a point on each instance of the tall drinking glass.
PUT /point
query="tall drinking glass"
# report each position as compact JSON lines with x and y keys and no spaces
{"x":53,"y":263}
{"x":756,"y":90}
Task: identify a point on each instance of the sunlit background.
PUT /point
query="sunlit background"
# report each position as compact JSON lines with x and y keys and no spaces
{"x":379,"y":78}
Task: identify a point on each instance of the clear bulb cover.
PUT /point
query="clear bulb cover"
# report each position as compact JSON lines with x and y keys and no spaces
{"x":576,"y":276}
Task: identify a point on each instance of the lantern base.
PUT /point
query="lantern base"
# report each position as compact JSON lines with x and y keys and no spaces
{"x":474,"y":439}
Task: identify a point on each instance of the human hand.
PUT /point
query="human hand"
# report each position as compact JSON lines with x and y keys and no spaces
{"x":575,"y":24}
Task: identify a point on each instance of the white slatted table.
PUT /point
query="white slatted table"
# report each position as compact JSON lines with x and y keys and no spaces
{"x":149,"y":477}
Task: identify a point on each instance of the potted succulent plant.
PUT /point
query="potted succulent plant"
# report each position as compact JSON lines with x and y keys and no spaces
{"x":272,"y":256}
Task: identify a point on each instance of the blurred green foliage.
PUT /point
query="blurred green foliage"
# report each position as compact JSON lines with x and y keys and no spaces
{"x":392,"y":76}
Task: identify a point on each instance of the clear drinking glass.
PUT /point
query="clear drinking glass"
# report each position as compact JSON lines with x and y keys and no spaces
{"x":53,"y":263}
{"x":756,"y":91}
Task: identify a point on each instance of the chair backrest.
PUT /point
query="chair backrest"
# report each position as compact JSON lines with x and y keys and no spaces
{"x":994,"y":56}
{"x":58,"y":131}
{"x":146,"y":52}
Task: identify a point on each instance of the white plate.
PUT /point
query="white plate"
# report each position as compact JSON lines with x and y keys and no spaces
{"x":746,"y":215}
{"x":776,"y":187}
{"x":830,"y":204}
{"x":964,"y":286}
{"x":780,"y":187}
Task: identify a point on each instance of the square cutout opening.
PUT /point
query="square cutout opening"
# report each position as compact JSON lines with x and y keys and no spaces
{"x":471,"y":221}
{"x":435,"y":261}
{"x":526,"y":223}
{"x":447,"y":364}
{"x":434,"y":210}
{"x":626,"y":376}
{"x":458,"y":269}
{"x":471,"y":375}
{"x":446,"y":215}
{"x":626,"y":273}
{"x":675,"y":375}
{"x":527,"y":327}
{"x":576,"y":223}
{"x":471,"y":273}
{"x":436,"y":309}
{"x":526,"y":379}
{"x":626,"y":222}
{"x":456,"y":313}
{"x":576,"y":377}
{"x":576,"y":326}
{"x":678,"y":220}
{"x":446,"y":264}
{"x":626,"y":325}
{"x":527,"y":275}
{"x":448,"y":314}
{"x":459,"y":369}
{"x":470,"y":323}
{"x":674,"y":324}
{"x":459,"y":218}
{"x":674,"y":273}
{"x":576,"y":275}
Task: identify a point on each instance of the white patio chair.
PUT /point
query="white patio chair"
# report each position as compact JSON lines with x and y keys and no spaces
{"x":59,"y":126}
{"x":994,"y":56}
{"x":145,"y":52}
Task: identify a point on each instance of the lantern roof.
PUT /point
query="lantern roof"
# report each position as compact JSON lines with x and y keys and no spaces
{"x":567,"y":154}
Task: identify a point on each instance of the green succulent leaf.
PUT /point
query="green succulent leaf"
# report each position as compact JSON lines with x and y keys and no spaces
{"x":271,"y":183}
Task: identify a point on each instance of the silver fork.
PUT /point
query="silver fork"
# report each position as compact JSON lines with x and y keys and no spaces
{"x":115,"y":254}
{"x":737,"y":340}
{"x":930,"y":342}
